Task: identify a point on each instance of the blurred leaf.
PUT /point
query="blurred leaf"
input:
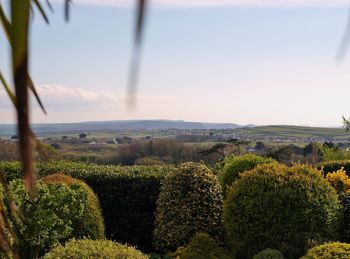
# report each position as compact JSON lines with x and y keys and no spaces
{"x":344,"y":44}
{"x":5,"y":24}
{"x":67,"y":9}
{"x":8,"y":90}
{"x":41,"y":10}
{"x":20,"y":10}
{"x":135,"y":60}
{"x":48,"y":3}
{"x":32,"y":88}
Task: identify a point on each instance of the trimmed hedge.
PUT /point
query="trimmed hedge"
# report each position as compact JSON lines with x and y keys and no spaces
{"x":333,"y":166}
{"x":269,"y":254}
{"x":329,"y":251}
{"x":127,"y":195}
{"x":190,"y":201}
{"x":201,"y":246}
{"x":90,"y":224}
{"x":94,"y":249}
{"x":234,"y":165}
{"x":281,"y":208}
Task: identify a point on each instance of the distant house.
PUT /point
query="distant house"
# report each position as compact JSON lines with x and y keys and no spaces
{"x":14,"y":137}
{"x":82,"y":135}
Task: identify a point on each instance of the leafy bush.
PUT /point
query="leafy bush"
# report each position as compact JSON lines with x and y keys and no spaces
{"x":190,"y":201}
{"x":48,"y":218}
{"x":269,"y":254}
{"x":282,"y":208}
{"x":333,"y":166}
{"x":339,"y":180}
{"x":234,"y":165}
{"x":201,"y":246}
{"x":90,"y":224}
{"x":333,"y":153}
{"x":331,"y":250}
{"x":94,"y":249}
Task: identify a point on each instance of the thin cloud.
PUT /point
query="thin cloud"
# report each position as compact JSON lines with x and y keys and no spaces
{"x":199,"y":3}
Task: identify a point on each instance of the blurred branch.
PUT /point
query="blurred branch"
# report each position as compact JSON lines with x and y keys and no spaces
{"x":344,"y":44}
{"x":136,"y":56}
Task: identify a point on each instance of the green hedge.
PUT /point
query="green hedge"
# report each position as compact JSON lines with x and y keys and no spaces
{"x":329,"y":251}
{"x":127,"y":195}
{"x":94,"y":249}
{"x":332,"y":166}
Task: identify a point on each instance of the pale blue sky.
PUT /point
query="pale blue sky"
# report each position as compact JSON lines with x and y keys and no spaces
{"x":259,"y":62}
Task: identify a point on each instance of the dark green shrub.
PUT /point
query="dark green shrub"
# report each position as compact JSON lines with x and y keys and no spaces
{"x":90,"y":224}
{"x":48,"y":218}
{"x":329,"y":251}
{"x":269,"y":254}
{"x":333,"y":166}
{"x":201,"y":246}
{"x":94,"y":249}
{"x":127,"y":196}
{"x":190,"y":201}
{"x":234,"y":165}
{"x":345,"y":218}
{"x":282,"y":208}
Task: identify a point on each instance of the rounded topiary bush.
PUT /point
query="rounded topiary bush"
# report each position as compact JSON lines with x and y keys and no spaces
{"x":234,"y":165}
{"x":201,"y":246}
{"x":190,"y":201}
{"x":281,"y":208}
{"x":94,"y":249}
{"x":48,"y":216}
{"x":269,"y":254}
{"x":329,"y":251}
{"x":90,"y":224}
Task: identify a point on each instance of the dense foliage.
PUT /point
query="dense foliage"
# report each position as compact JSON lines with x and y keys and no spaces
{"x":127,"y":195}
{"x":331,"y":250}
{"x":90,"y":224}
{"x":345,"y":218}
{"x":234,"y":165}
{"x":282,"y":208}
{"x":94,"y":249}
{"x":339,"y":180}
{"x":201,"y":246}
{"x":190,"y":200}
{"x":48,"y":218}
{"x":269,"y":254}
{"x":333,"y":166}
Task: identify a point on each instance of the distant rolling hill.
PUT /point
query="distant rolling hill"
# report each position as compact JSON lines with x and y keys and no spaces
{"x":285,"y":131}
{"x":7,"y":130}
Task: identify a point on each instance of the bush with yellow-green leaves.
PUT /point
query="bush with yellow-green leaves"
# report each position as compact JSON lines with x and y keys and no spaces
{"x":329,"y":251}
{"x":94,"y":249}
{"x":190,"y":201}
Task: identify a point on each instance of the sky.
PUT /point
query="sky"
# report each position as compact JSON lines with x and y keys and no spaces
{"x":236,"y":61}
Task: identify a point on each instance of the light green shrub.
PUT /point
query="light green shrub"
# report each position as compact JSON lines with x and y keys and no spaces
{"x":94,"y":249}
{"x":281,"y":208}
{"x":234,"y":165}
{"x":48,"y":218}
{"x":329,"y":251}
{"x":190,"y":201}
{"x":90,"y":224}
{"x":201,"y":246}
